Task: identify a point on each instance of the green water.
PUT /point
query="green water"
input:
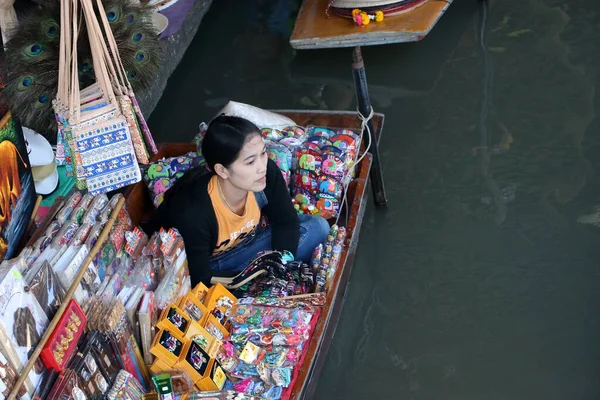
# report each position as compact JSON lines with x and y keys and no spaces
{"x":477,"y":281}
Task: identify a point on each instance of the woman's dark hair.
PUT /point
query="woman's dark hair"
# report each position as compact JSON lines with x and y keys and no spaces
{"x":222,"y":143}
{"x":225,"y":138}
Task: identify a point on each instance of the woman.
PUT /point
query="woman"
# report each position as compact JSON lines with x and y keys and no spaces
{"x":218,"y":213}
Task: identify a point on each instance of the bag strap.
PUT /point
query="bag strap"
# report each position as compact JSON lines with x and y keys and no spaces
{"x":113,"y":46}
{"x":99,"y":40}
{"x":74,"y":85}
{"x":64,"y":71}
{"x":99,"y":58}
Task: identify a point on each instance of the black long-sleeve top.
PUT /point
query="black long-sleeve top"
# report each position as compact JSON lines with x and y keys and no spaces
{"x":191,"y":212}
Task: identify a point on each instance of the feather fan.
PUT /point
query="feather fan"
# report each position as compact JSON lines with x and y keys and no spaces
{"x":32,"y":58}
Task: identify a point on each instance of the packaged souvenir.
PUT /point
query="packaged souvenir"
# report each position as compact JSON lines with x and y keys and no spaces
{"x":81,"y":234}
{"x":67,"y":386}
{"x":126,"y":386}
{"x":69,"y":206}
{"x":105,"y":213}
{"x":330,"y":187}
{"x":86,"y":365}
{"x":320,"y":131}
{"x":349,"y":142}
{"x":307,"y":180}
{"x":333,"y":164}
{"x":152,"y":248}
{"x":66,"y":233}
{"x":61,"y":345}
{"x":82,"y":207}
{"x":135,"y":242}
{"x":8,"y":378}
{"x":143,"y":274}
{"x":170,"y":286}
{"x":276,"y":376}
{"x":46,"y":287}
{"x":309,"y":159}
{"x":320,"y":140}
{"x":93,"y":235}
{"x":328,"y":205}
{"x":282,"y":156}
{"x":273,"y":135}
{"x":106,"y":359}
{"x":172,"y":246}
{"x":22,"y":319}
{"x":122,"y":225}
{"x":296,"y":132}
{"x":94,"y":209}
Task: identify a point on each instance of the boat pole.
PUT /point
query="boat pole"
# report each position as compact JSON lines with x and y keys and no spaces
{"x":364,"y":107}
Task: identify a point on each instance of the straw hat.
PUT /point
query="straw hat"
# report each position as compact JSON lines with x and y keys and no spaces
{"x":41,"y":159}
{"x":388,"y":7}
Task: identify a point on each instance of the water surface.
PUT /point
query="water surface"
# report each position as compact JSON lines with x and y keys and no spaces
{"x":477,"y":281}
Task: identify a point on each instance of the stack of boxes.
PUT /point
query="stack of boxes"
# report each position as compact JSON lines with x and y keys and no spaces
{"x":190,"y":335}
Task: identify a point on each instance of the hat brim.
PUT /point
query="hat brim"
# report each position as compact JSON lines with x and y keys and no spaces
{"x":366,"y":4}
{"x":40,"y":150}
{"x":395,"y":8}
{"x":160,"y":22}
{"x":47,"y":185}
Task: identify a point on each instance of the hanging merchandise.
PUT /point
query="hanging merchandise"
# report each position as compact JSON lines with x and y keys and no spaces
{"x":17,"y":192}
{"x":98,"y":135}
{"x":33,"y":60}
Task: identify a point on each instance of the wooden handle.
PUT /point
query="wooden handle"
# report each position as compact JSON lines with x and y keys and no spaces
{"x":38,"y":201}
{"x":82,"y":270}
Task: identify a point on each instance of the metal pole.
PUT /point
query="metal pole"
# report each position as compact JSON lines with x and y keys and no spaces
{"x":364,"y":106}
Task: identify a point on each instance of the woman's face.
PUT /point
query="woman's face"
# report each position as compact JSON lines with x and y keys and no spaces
{"x":249,"y":171}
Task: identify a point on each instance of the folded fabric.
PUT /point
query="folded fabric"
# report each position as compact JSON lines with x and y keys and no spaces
{"x":161,"y":175}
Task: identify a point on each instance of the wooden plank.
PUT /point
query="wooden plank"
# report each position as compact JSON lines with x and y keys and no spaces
{"x":314,"y":30}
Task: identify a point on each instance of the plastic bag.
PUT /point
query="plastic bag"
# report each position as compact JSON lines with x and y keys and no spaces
{"x":47,"y":288}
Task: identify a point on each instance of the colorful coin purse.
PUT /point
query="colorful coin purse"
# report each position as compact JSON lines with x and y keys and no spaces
{"x":309,"y":159}
{"x":282,"y":156}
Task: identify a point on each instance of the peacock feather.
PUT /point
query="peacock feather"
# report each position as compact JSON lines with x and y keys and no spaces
{"x":136,"y":39}
{"x":32,"y":58}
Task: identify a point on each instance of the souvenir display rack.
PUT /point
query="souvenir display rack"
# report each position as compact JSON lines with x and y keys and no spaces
{"x":140,"y":206}
{"x":54,"y":322}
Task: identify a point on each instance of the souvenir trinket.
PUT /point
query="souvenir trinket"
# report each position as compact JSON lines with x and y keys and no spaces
{"x":177,"y":319}
{"x":319,"y":140}
{"x":321,"y":131}
{"x":170,"y":343}
{"x":69,"y":206}
{"x":309,"y":159}
{"x":193,"y":310}
{"x":63,"y":341}
{"x":293,"y":132}
{"x":213,"y":330}
{"x":273,"y":135}
{"x":333,"y":165}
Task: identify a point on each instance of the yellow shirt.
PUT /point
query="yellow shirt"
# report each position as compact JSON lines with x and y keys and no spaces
{"x":233,"y":228}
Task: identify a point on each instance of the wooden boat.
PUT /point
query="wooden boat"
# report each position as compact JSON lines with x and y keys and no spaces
{"x":140,"y":209}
